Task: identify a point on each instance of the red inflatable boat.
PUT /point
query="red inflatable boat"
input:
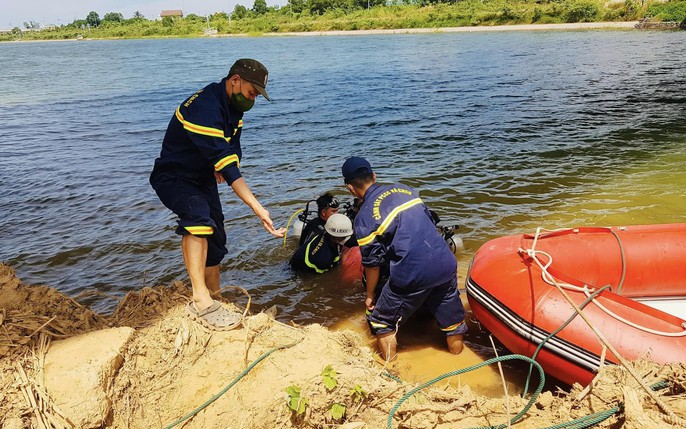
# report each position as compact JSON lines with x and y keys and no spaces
{"x":629,"y":283}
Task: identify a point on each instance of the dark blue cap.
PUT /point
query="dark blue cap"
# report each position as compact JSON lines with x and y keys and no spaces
{"x":355,"y":167}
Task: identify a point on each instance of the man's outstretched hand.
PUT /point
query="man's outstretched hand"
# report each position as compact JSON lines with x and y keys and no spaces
{"x":269,"y":225}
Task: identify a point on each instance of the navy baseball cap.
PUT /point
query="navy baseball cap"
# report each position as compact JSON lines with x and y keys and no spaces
{"x":254,"y":72}
{"x":355,"y":167}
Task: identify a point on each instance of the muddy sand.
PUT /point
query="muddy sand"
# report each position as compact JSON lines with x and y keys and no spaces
{"x":149,"y":366}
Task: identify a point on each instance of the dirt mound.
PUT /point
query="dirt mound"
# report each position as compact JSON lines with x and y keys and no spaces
{"x":267,"y":374}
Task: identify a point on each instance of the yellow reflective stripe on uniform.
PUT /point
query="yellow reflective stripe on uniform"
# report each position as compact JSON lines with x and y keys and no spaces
{"x":378,"y":325}
{"x":226,"y":161}
{"x":199,"y":129}
{"x":235,"y":130}
{"x":452,"y":327}
{"x":384,"y":225}
{"x":200,"y":230}
{"x":307,"y":258}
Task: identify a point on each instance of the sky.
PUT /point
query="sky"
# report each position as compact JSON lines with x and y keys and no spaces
{"x":13,"y":13}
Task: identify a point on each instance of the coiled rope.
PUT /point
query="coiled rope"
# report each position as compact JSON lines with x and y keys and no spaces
{"x":585,"y":289}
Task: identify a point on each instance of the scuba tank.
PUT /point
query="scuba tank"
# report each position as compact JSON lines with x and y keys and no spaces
{"x":299,"y":223}
{"x":302,"y":220}
{"x":297,"y":228}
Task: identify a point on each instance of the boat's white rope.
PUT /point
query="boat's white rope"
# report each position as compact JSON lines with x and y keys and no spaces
{"x":670,"y":417}
{"x":586,"y":290}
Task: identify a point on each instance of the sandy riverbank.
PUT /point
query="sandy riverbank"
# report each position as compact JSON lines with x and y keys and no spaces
{"x":147,"y":365}
{"x":578,"y":26}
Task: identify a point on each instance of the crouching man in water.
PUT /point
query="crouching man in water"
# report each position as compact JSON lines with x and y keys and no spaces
{"x":322,"y":250}
{"x":395,"y":230}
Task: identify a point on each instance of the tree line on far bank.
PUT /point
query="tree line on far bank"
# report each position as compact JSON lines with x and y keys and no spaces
{"x":328,"y":15}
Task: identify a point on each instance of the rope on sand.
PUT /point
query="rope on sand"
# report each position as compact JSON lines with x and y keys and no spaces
{"x":582,"y":422}
{"x":389,"y":422}
{"x":230,"y":385}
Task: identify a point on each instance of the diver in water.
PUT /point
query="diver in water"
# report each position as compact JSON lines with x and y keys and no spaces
{"x":322,"y":250}
{"x":327,"y":205}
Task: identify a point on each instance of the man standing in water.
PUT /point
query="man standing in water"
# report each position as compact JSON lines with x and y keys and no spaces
{"x":202,"y":148}
{"x":395,"y":230}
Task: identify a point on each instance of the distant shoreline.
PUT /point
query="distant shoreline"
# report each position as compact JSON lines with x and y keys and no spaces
{"x":576,"y":26}
{"x":516,"y":27}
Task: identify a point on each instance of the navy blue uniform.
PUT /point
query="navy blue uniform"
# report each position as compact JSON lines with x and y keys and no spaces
{"x":395,"y":230}
{"x":318,"y":254}
{"x":203,"y":136}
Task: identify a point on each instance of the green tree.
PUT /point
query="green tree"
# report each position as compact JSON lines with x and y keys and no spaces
{"x":138,"y":15}
{"x":195,"y":18}
{"x":582,"y":11}
{"x":93,"y":19}
{"x":78,"y":23}
{"x":260,"y":7}
{"x":318,"y":7}
{"x":16,"y":31}
{"x":296,"y":6}
{"x":219,"y":16}
{"x":239,"y":12}
{"x":32,"y":25}
{"x":113,"y":17}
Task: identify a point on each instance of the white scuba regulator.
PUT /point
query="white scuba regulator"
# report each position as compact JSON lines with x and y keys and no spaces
{"x":449,"y":234}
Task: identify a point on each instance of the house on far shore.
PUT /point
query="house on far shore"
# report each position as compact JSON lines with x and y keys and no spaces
{"x":172,"y":13}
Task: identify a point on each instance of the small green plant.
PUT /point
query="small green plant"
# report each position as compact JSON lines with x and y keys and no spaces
{"x":294,"y":401}
{"x":337,"y":411}
{"x":329,"y":377}
{"x":358,"y":393}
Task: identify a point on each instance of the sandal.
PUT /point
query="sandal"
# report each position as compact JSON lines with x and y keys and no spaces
{"x":214,"y":317}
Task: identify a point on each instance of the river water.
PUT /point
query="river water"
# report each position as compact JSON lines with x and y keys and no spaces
{"x":499,"y":132}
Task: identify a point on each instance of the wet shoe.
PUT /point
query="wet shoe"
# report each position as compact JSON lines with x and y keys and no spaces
{"x":215,"y":317}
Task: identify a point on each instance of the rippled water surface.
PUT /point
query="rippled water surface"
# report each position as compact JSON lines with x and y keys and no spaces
{"x":500,"y":132}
